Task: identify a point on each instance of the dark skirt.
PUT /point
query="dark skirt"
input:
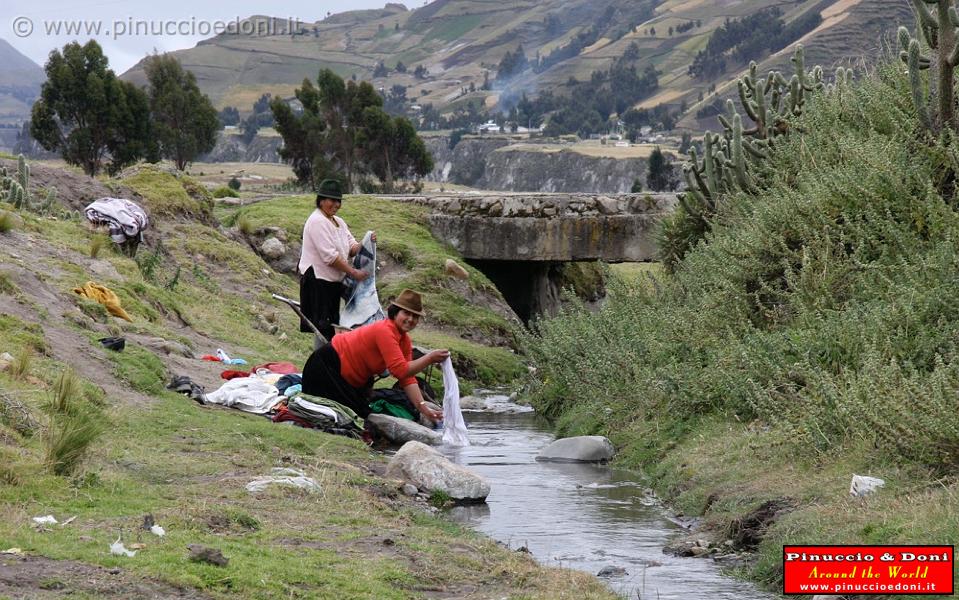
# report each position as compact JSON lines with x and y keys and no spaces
{"x":321,"y":377}
{"x":320,"y":303}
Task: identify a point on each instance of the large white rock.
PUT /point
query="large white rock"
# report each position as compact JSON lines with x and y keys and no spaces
{"x":430,"y":471}
{"x":400,"y":431}
{"x":586,"y":448}
{"x":272,"y":248}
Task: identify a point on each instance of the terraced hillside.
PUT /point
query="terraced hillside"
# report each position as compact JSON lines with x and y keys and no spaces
{"x":461,"y":42}
{"x":20,"y":80}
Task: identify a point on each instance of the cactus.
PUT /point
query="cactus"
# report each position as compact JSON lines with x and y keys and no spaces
{"x":940,"y":30}
{"x":16,"y":186}
{"x":49,"y":202}
{"x":23,"y":172}
{"x":769,"y":102}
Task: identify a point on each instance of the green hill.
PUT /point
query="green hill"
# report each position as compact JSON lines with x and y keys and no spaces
{"x":462,"y":41}
{"x":811,"y":336}
{"x":20,"y":81}
{"x":195,"y":287}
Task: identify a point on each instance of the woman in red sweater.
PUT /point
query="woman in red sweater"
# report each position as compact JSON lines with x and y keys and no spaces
{"x":343,"y":370}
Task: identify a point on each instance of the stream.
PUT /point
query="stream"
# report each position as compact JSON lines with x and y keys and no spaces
{"x":578,"y":516}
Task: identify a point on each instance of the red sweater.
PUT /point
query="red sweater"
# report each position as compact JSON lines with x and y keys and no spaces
{"x":371,"y":349}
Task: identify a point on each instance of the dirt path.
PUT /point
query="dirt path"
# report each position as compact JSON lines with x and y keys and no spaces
{"x":37,"y":577}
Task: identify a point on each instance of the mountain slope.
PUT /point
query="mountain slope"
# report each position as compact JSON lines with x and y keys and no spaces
{"x":20,"y":81}
{"x":461,"y":42}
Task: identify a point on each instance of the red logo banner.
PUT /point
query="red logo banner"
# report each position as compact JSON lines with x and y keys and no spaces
{"x":917,"y":570}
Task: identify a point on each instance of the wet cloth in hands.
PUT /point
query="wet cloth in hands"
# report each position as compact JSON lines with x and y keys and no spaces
{"x":362,"y":302}
{"x":454,"y":427}
{"x":125,"y":219}
{"x":105,"y":296}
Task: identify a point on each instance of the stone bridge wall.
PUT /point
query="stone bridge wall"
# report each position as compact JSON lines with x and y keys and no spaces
{"x":548,"y":227}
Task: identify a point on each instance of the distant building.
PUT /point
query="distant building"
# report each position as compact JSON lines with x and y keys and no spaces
{"x":489,"y":127}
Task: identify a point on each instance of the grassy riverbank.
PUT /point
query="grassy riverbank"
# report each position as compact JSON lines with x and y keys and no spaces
{"x":154,"y":452}
{"x":813,"y":336}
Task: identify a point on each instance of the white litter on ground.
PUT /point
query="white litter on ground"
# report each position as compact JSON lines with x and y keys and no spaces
{"x":158,"y":531}
{"x":863,"y":485}
{"x":47,"y":520}
{"x":287,"y":477}
{"x":119,"y":549}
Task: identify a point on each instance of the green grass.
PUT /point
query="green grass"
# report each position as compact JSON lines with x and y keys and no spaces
{"x":166,"y":194}
{"x":162,"y":454}
{"x":485,"y":365}
{"x":810,"y":337}
{"x":449,"y":31}
{"x":7,"y":222}
{"x":283,"y":542}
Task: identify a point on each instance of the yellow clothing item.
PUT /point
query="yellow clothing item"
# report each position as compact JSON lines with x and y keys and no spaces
{"x":105,"y":296}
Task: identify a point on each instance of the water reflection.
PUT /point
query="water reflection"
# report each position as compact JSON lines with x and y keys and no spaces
{"x":580,"y":516}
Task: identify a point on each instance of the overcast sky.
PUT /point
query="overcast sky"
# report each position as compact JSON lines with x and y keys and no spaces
{"x":26,"y":23}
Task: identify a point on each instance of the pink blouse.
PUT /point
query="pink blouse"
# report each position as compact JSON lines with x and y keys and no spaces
{"x":323,"y":241}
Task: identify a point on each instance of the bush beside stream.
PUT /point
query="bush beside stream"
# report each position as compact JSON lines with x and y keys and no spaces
{"x":813,"y":334}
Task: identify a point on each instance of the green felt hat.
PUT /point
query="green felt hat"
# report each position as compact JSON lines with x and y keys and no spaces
{"x":330,"y":188}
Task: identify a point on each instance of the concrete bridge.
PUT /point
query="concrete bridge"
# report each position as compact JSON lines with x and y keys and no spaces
{"x":518,"y":239}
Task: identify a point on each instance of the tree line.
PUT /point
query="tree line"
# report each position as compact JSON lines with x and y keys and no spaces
{"x":738,"y":41}
{"x":96,"y":121}
{"x":344,"y":133}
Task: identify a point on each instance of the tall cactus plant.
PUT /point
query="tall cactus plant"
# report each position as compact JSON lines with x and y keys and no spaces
{"x":938,"y":22}
{"x":729,"y":159}
{"x":17,"y":186}
{"x":769,"y":102}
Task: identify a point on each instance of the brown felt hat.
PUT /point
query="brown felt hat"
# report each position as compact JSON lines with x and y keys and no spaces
{"x":410,"y":301}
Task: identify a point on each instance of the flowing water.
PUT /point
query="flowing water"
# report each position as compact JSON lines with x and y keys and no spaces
{"x":580,"y":516}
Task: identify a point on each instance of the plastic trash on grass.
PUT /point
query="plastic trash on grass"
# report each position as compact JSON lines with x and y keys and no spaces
{"x":119,"y":549}
{"x":863,"y":485}
{"x":46,"y":520}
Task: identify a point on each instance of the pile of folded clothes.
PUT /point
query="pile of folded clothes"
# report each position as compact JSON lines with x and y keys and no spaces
{"x":274,"y":390}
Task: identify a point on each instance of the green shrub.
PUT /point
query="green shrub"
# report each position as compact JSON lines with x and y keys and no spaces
{"x":224,"y":192}
{"x":7,"y":222}
{"x":74,"y":425}
{"x":97,"y":242}
{"x":22,"y":363}
{"x":234,"y":184}
{"x":244,"y":225}
{"x":140,"y":368}
{"x":824,"y":305}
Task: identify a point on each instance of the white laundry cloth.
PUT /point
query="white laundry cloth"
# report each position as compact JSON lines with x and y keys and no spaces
{"x":249,"y":394}
{"x":125,"y":219}
{"x":454,"y":427}
{"x":362,"y":302}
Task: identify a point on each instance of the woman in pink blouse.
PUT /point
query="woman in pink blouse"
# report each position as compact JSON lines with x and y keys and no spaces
{"x":324,"y":260}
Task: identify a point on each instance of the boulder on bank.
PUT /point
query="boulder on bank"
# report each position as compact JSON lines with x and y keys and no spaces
{"x":586,"y":448}
{"x":400,"y":431}
{"x":430,"y":471}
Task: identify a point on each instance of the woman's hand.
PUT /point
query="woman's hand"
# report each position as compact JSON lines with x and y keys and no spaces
{"x":373,"y":237}
{"x":432,"y":415}
{"x":438,"y":356}
{"x":358,"y":275}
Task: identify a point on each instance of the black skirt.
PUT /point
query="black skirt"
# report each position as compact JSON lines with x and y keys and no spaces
{"x":320,"y":303}
{"x":321,"y":377}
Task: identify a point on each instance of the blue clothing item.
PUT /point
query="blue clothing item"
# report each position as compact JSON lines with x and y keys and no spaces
{"x":287,"y":381}
{"x":293,"y":390}
{"x":362,"y":302}
{"x":234,"y":361}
